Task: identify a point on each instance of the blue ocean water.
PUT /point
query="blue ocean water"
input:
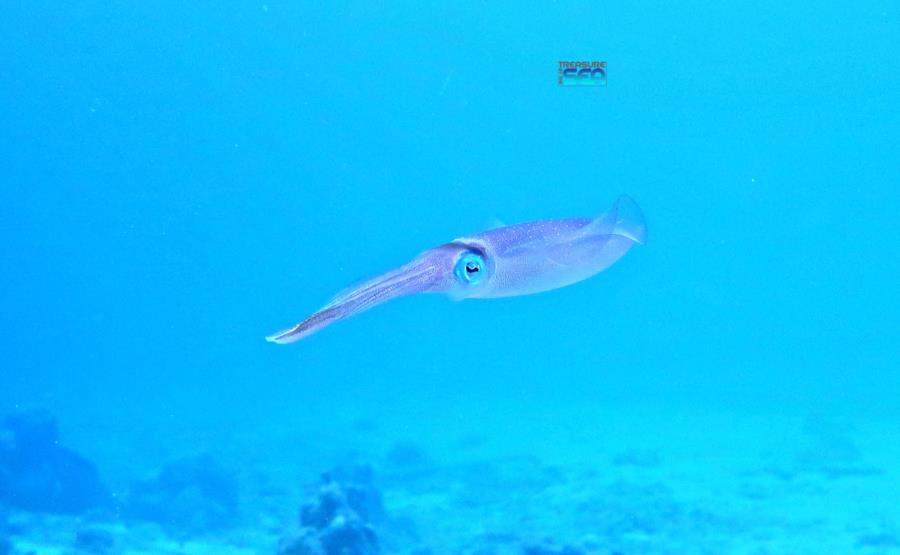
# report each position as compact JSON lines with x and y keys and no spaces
{"x":181,"y":180}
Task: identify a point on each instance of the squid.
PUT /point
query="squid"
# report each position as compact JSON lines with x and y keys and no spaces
{"x":508,"y":261}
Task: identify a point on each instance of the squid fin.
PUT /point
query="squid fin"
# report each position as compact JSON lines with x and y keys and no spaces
{"x":495,"y":223}
{"x":623,"y":218}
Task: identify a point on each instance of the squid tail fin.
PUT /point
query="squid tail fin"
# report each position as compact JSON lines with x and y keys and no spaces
{"x":623,"y":218}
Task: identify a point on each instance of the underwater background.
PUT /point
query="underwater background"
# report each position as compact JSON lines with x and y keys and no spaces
{"x":181,"y":179}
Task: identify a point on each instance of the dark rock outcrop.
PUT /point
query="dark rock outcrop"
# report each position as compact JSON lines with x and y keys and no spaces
{"x":335,"y":523}
{"x":357,"y":484}
{"x":38,"y":475}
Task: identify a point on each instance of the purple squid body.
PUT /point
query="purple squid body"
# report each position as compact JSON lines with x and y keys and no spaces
{"x":507,"y":261}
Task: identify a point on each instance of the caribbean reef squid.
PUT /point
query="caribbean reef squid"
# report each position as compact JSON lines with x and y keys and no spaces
{"x":506,"y":261}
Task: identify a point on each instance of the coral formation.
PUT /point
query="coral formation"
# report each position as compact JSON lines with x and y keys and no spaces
{"x":38,"y":475}
{"x":336,"y":522}
{"x":357,"y":483}
{"x":94,"y":540}
{"x":188,"y":497}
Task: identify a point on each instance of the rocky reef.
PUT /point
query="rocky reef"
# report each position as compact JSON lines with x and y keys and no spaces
{"x":187,"y":497}
{"x":338,"y":520}
{"x":37,"y":474}
{"x":5,"y":545}
{"x":96,"y":541}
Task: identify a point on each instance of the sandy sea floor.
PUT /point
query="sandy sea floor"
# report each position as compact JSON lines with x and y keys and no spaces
{"x":596,"y":479}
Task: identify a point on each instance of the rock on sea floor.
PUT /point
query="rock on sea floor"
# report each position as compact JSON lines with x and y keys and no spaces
{"x":649,"y":481}
{"x":39,"y":474}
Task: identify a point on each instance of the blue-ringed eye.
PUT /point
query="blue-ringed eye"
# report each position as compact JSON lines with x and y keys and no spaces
{"x":470,"y":268}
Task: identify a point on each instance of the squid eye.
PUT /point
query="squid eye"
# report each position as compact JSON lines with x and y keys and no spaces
{"x":470,"y":268}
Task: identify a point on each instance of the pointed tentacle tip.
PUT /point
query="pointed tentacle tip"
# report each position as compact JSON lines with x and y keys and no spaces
{"x":283,"y":337}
